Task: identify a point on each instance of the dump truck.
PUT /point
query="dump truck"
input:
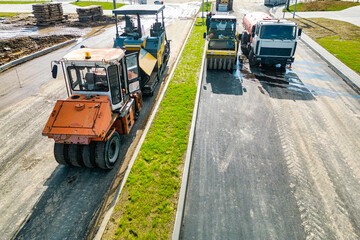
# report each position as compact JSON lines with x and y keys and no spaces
{"x":224,"y":5}
{"x":222,"y":43}
{"x":104,"y":100}
{"x":269,"y":41}
{"x":153,"y":50}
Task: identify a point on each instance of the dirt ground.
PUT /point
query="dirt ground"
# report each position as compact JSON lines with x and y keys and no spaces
{"x":14,"y":48}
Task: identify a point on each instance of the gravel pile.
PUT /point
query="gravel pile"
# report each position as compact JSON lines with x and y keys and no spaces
{"x":90,"y":13}
{"x":47,"y":13}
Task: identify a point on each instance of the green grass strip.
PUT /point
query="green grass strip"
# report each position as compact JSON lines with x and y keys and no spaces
{"x":105,"y":5}
{"x":22,"y":2}
{"x":208,"y":5}
{"x":322,"y":6}
{"x":149,"y":199}
{"x":347,"y":51}
{"x":342,"y":39}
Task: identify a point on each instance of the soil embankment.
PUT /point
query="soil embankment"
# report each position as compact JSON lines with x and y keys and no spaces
{"x":33,"y":39}
{"x":13,"y":49}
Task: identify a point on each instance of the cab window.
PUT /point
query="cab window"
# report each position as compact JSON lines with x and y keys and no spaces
{"x":113,"y":73}
{"x":132,"y":67}
{"x":88,"y":79}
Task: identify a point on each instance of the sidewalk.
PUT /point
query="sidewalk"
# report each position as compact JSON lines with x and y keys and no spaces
{"x":351,"y":15}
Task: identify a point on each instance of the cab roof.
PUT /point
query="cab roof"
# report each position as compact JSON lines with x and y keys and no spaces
{"x":227,"y":17}
{"x":277,"y":21}
{"x":96,"y":54}
{"x":139,"y":9}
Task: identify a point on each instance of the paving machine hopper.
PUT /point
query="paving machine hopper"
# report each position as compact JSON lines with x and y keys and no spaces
{"x":154,"y":50}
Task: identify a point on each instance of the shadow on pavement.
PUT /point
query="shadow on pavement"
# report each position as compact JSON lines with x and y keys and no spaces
{"x":223,"y":82}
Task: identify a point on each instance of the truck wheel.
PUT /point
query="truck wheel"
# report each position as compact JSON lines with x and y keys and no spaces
{"x":61,"y":153}
{"x":251,"y":58}
{"x":107,"y":153}
{"x":244,"y":41}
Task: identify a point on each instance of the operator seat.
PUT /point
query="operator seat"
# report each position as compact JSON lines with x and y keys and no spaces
{"x":156,"y":29}
{"x":90,"y":81}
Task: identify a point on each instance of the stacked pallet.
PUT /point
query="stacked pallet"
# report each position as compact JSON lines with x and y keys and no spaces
{"x":90,"y":13}
{"x":47,"y":13}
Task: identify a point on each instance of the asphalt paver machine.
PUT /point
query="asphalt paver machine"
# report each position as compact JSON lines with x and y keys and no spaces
{"x":154,"y":50}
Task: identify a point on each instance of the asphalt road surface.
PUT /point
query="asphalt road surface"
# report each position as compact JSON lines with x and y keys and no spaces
{"x":276,"y":153}
{"x":40,"y":199}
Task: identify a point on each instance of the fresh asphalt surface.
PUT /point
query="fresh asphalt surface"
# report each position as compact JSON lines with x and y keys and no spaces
{"x":39,"y":198}
{"x":73,"y":219}
{"x":275,"y":154}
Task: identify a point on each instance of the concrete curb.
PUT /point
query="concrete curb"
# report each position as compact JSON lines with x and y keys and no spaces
{"x":108,"y":214}
{"x":185,"y":177}
{"x":34,"y":55}
{"x":348,"y":75}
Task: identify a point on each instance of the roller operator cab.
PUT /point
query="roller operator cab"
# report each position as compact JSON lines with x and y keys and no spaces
{"x":104,"y":100}
{"x":269,"y":41}
{"x":222,"y":44}
{"x":153,"y":50}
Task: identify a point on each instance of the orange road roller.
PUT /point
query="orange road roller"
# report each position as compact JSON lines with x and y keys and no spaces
{"x":104,"y":100}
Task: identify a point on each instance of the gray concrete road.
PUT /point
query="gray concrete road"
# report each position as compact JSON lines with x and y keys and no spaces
{"x":40,"y":199}
{"x":275,"y":154}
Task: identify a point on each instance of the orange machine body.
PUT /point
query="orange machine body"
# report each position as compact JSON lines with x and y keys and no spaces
{"x":81,"y":119}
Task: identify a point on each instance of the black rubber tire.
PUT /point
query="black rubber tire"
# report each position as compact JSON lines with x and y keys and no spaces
{"x":87,"y":155}
{"x":251,"y":58}
{"x":75,"y":158}
{"x":136,"y":115}
{"x":245,"y":38}
{"x":107,"y":153}
{"x":61,"y":153}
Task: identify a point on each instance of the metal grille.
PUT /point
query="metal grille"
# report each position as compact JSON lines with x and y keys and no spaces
{"x":275,"y":51}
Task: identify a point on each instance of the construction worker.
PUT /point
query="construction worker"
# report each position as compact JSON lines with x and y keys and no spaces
{"x":208,"y":18}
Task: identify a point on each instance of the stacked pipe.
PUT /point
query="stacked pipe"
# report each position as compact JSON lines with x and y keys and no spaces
{"x":47,"y":13}
{"x":90,"y":13}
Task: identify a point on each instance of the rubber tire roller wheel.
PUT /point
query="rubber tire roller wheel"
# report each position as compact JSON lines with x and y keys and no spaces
{"x":107,"y":153}
{"x":61,"y":153}
{"x":87,"y":154}
{"x":75,"y":155}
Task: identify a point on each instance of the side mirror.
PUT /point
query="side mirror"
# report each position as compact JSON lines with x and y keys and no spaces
{"x":239,"y":36}
{"x":299,"y":32}
{"x":204,"y":36}
{"x":54,"y":70}
{"x":253,"y":31}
